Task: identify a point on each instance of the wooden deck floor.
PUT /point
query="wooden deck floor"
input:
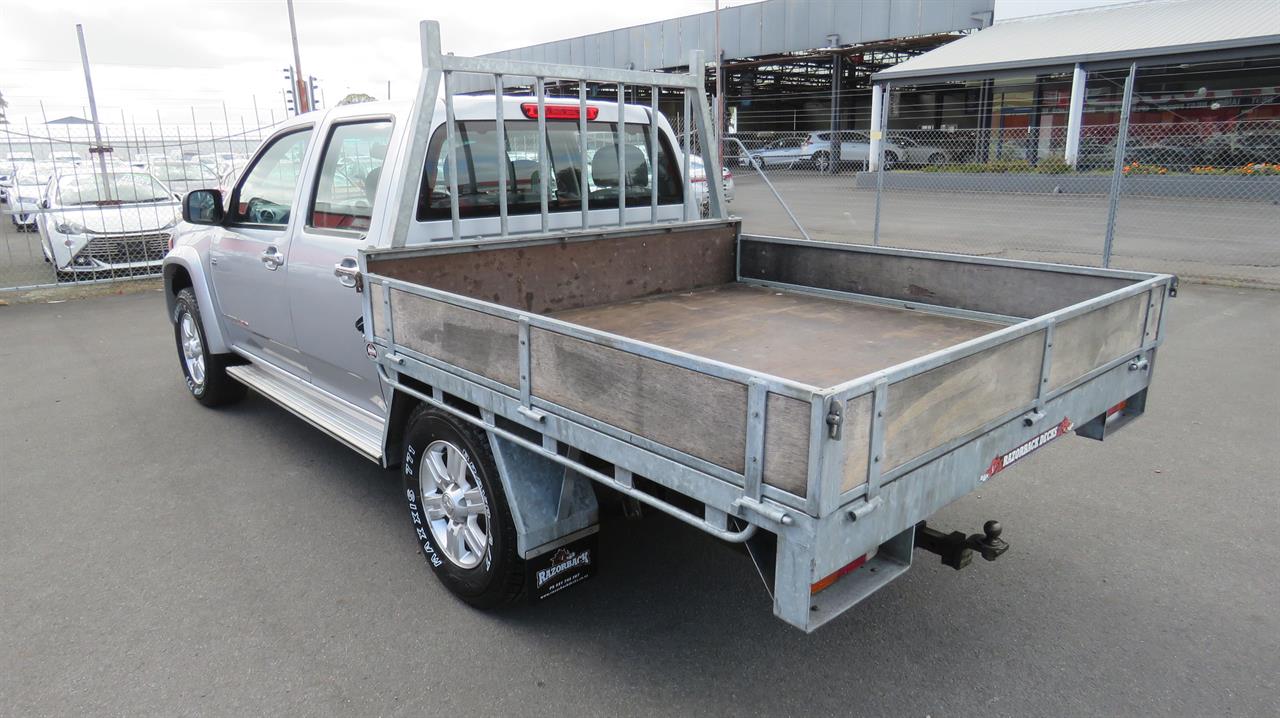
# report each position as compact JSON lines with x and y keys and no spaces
{"x":808,"y":338}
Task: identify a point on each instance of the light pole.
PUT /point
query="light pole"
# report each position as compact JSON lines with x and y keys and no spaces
{"x":97,"y":149}
{"x":299,"y":80}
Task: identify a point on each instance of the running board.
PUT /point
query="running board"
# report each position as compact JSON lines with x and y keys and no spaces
{"x":355,"y":428}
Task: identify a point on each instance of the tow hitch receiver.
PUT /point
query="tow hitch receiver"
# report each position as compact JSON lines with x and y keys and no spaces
{"x":956,"y":549}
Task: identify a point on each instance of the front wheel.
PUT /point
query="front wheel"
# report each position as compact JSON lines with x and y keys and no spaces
{"x":458,"y":510}
{"x":206,"y":373}
{"x":822,"y":160}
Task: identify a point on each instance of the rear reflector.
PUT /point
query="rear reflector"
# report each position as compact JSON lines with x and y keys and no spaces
{"x":1117,"y":408}
{"x":839,"y":574}
{"x":558,"y":112}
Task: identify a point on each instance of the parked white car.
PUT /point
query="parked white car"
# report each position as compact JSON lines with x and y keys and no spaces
{"x":9,"y":169}
{"x":121,"y":224}
{"x":698,"y":180}
{"x":183,"y":176}
{"x":26,"y":191}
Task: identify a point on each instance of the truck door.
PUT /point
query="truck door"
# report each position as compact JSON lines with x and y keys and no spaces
{"x":326,"y":306}
{"x":248,"y":254}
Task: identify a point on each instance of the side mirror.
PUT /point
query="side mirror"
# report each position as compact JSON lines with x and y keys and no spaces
{"x":202,"y":206}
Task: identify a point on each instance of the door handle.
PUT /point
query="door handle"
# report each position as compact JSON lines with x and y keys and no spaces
{"x":272,"y":258}
{"x":348,"y":273}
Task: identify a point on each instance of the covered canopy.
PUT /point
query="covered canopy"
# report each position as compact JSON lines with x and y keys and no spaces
{"x":1125,"y":32}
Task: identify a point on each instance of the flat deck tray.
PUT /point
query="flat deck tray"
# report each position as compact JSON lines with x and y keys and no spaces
{"x":813,"y":339}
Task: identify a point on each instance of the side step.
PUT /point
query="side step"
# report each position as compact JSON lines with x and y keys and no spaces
{"x":354,"y":427}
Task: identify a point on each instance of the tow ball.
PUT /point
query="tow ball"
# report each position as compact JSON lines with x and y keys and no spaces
{"x":956,"y":549}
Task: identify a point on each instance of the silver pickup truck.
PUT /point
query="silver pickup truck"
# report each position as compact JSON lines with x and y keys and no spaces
{"x":514,"y":300}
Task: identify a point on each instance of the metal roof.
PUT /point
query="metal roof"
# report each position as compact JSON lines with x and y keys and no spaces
{"x":763,"y":28}
{"x":1113,"y":32}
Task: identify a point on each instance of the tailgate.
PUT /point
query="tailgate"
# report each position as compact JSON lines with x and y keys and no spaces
{"x":921,"y":435}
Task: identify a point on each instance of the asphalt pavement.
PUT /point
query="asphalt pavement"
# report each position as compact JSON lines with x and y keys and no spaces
{"x":1219,"y":240}
{"x":164,"y":559}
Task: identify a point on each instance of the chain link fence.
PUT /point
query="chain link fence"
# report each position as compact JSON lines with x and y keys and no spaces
{"x":74,"y":209}
{"x":1198,"y":199}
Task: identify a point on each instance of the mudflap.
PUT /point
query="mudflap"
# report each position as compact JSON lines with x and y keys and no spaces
{"x":562,"y":564}
{"x":555,"y":514}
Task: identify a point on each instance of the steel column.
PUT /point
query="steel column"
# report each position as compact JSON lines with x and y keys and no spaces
{"x":1117,"y":168}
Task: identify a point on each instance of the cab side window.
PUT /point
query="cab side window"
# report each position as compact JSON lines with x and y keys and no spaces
{"x":265,"y":195}
{"x":349,"y":174}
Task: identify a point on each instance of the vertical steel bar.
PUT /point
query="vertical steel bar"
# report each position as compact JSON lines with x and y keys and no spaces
{"x":875,"y":468}
{"x":688,"y":145}
{"x":584,"y":185}
{"x":544,"y":165}
{"x":708,"y":145}
{"x":757,"y":403}
{"x":621,"y":129}
{"x":653,"y":154}
{"x":1117,"y":167}
{"x":835,"y":112}
{"x":1046,"y":364}
{"x":501,"y":131}
{"x":887,"y":97}
{"x":420,"y":121}
{"x":453,"y":146}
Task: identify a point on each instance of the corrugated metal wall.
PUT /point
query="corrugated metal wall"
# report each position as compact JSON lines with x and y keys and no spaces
{"x":765,"y":28}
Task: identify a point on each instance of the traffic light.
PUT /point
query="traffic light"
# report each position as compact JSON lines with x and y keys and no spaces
{"x":315,"y":95}
{"x":290,"y":98}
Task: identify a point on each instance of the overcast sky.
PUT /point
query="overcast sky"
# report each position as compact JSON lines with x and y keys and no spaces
{"x":170,"y":56}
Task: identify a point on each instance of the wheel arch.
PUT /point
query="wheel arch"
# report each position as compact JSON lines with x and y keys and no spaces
{"x":183,"y":269}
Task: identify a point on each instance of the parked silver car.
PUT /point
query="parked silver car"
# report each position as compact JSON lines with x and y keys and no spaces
{"x":786,"y":152}
{"x":914,"y":152}
{"x":854,"y":150}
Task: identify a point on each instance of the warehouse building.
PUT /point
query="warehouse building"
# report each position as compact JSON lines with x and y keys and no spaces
{"x":1203,"y":77}
{"x":789,"y":65}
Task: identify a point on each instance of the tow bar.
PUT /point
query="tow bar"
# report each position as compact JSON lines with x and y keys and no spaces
{"x":956,"y":549}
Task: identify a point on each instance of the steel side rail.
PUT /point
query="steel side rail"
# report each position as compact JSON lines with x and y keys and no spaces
{"x":667,"y":508}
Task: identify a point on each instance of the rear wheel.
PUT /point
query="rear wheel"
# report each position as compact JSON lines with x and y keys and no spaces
{"x":458,"y":510}
{"x":206,"y":373}
{"x":822,"y":160}
{"x":937,"y":158}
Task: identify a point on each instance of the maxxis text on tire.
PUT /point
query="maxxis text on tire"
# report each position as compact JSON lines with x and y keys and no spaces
{"x":458,"y":509}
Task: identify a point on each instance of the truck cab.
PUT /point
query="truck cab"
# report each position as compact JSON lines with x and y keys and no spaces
{"x":272,"y":264}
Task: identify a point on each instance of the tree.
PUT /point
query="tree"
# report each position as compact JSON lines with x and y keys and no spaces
{"x":357,"y":97}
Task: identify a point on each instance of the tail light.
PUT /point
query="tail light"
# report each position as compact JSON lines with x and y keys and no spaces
{"x":558,"y":112}
{"x":726,"y":173}
{"x":840,"y":573}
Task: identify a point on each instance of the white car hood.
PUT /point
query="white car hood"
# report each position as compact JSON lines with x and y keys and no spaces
{"x":119,"y":219}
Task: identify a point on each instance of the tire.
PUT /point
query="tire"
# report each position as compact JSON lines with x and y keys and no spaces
{"x":458,"y":509}
{"x":822,"y":160}
{"x":890,"y":159}
{"x":205,"y":373}
{"x":937,"y":158}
